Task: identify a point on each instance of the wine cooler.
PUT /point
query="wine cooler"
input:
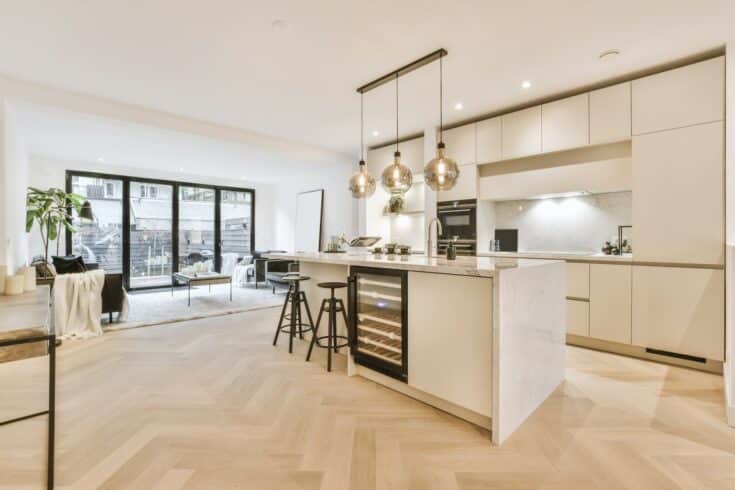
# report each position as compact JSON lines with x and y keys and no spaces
{"x":379,"y":319}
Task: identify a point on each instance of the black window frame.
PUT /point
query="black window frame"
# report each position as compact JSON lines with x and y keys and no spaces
{"x":175,"y":184}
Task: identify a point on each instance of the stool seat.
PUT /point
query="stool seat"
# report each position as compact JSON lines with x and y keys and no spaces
{"x":295,"y":277}
{"x":332,"y":285}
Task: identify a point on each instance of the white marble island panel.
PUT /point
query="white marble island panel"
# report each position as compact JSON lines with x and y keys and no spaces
{"x":485,"y":335}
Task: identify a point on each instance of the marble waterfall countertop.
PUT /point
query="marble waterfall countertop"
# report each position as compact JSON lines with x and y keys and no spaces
{"x":561,"y":255}
{"x":462,"y":266}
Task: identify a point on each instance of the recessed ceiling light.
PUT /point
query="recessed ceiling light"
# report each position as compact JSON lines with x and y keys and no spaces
{"x":525,"y":84}
{"x":101,"y":160}
{"x":376,"y":133}
{"x":458,"y":106}
{"x":609,"y":54}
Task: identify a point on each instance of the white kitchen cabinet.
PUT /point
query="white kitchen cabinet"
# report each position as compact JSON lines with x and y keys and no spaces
{"x":464,"y":188}
{"x":610,"y":302}
{"x":432,"y":338}
{"x":460,"y":144}
{"x":680,"y":310}
{"x":578,"y":317}
{"x":412,"y":155}
{"x":565,"y":123}
{"x":610,"y":114}
{"x":489,"y":140}
{"x":521,"y":133}
{"x":692,"y":94}
{"x":578,"y":280}
{"x":678,"y":195}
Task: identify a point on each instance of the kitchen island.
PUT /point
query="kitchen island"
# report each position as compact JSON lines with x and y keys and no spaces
{"x":479,"y":337}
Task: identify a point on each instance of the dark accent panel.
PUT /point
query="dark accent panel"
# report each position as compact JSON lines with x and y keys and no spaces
{"x":508,"y":239}
{"x":676,"y":355}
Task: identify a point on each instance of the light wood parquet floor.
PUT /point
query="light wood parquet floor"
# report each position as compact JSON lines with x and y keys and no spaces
{"x":210,"y":404}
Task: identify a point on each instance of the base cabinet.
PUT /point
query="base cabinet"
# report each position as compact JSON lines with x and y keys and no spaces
{"x":680,"y":310}
{"x":437,"y":332}
{"x":578,"y":317}
{"x":610,"y":302}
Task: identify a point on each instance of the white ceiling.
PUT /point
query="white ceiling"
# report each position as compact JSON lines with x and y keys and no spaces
{"x":223,"y":61}
{"x":69,"y":137}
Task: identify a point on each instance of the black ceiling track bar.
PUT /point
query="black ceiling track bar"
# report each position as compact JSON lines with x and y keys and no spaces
{"x":404,"y":70}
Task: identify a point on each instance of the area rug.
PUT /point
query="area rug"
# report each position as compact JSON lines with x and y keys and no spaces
{"x":160,"y":306}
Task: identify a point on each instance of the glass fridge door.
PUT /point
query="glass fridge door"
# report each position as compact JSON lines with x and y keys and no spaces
{"x":379,"y":315}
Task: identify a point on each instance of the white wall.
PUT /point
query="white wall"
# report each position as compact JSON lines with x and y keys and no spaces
{"x":730,"y":234}
{"x":573,"y":224}
{"x":14,"y":173}
{"x":340,"y":209}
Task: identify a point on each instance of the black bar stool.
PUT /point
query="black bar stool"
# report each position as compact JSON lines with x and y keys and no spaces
{"x":332,"y":306}
{"x":296,"y":297}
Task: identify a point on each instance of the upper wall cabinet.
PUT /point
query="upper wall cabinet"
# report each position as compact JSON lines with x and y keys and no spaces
{"x":460,"y":143}
{"x":565,"y":123}
{"x":412,"y":155}
{"x":464,"y":188}
{"x":610,"y":114}
{"x":692,"y":94}
{"x":489,"y":140}
{"x":521,"y":133}
{"x":678,"y":195}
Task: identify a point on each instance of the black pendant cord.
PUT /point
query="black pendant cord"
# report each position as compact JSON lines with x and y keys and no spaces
{"x":396,"y":112}
{"x":362,"y":130}
{"x":441,"y":98}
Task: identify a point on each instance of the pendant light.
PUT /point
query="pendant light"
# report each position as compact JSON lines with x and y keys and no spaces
{"x":362,"y":184}
{"x":441,"y":173}
{"x":397,"y":178}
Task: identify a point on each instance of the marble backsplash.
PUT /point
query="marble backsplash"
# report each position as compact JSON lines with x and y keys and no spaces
{"x":570,"y":224}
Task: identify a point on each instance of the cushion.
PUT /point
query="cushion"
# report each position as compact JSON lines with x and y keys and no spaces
{"x":69,"y":264}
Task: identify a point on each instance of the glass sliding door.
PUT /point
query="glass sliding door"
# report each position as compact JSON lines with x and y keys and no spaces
{"x":196,"y":229}
{"x":151,"y":234}
{"x":236,"y":227}
{"x":98,"y":241}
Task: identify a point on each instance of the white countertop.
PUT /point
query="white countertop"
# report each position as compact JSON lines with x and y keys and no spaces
{"x":561,"y":255}
{"x":463,"y":266}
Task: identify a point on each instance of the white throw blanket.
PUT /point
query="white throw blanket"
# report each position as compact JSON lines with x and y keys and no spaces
{"x":78,"y":304}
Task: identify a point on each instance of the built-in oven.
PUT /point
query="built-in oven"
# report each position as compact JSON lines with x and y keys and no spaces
{"x":459,"y":223}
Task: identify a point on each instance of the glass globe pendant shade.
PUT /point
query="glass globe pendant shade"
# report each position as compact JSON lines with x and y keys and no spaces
{"x":362,"y":184}
{"x":397,"y":178}
{"x":441,"y":173}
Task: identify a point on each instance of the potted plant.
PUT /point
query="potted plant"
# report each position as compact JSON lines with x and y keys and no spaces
{"x":395,"y":204}
{"x":51,"y":209}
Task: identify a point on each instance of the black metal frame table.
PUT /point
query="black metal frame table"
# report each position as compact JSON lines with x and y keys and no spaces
{"x":25,"y":335}
{"x":209,"y":279}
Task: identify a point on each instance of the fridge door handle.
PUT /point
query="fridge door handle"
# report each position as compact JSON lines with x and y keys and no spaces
{"x":352,"y":310}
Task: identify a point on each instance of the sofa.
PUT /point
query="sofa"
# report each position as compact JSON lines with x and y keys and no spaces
{"x":113,"y":291}
{"x":272,"y":271}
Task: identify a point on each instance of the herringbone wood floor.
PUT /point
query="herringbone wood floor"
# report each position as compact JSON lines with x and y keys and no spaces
{"x":209,"y":404}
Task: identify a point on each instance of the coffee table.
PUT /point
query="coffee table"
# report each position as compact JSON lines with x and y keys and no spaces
{"x":202,"y":278}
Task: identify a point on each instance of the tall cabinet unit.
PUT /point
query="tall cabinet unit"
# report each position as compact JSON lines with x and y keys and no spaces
{"x":678,"y":211}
